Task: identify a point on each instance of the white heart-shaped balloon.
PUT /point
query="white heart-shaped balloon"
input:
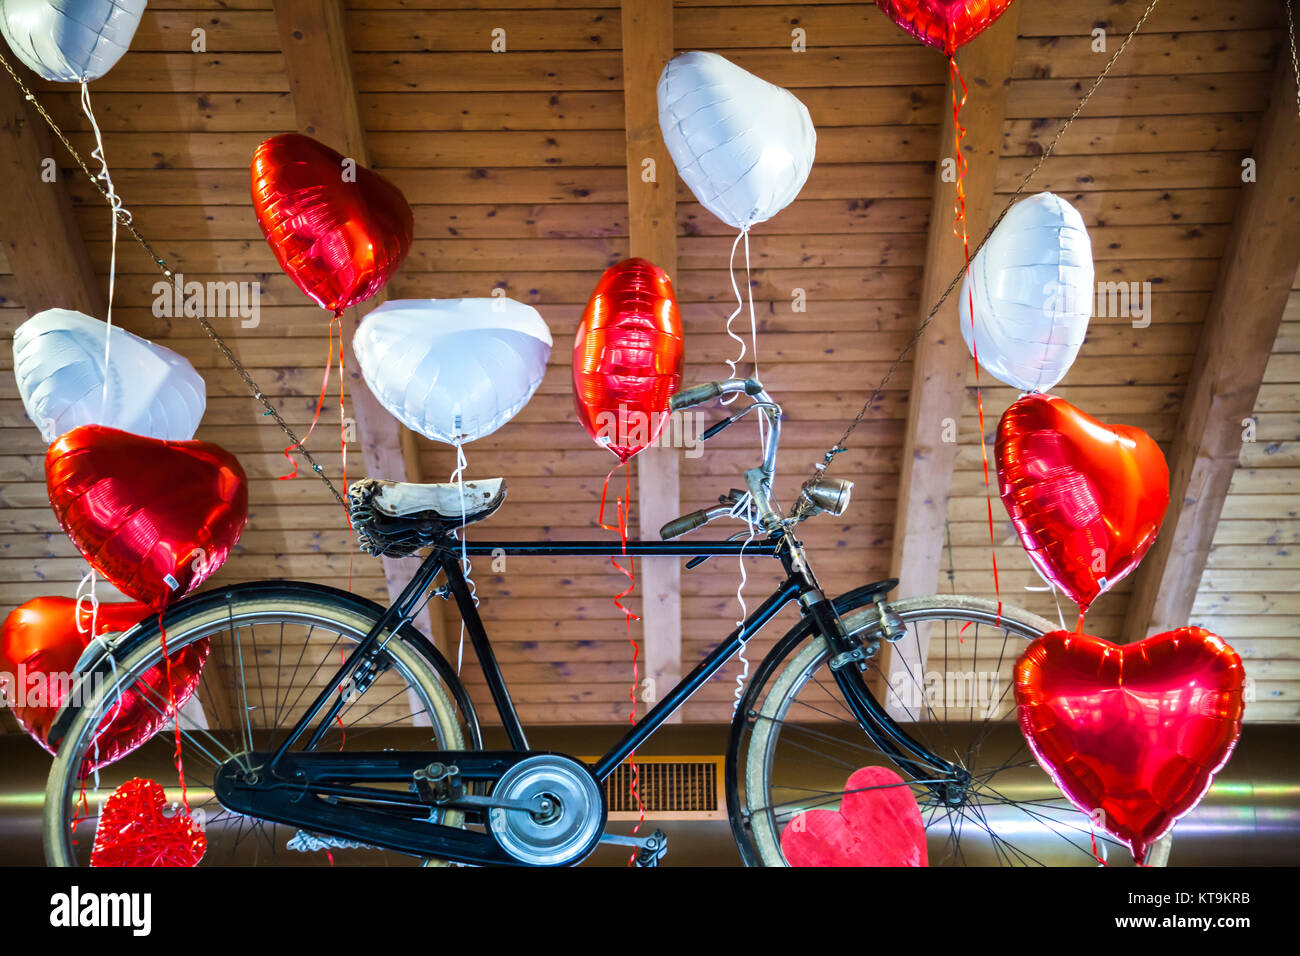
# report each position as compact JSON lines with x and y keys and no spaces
{"x":743,"y":145}
{"x":1032,"y":287}
{"x":70,"y":40}
{"x":59,"y":365}
{"x":453,"y":370}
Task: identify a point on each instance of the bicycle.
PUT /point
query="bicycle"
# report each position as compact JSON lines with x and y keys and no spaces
{"x":290,"y":778}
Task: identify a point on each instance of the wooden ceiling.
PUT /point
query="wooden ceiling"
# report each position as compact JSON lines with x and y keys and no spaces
{"x":516,"y":164}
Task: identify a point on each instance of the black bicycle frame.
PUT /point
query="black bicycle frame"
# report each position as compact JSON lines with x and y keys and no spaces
{"x":446,"y":558}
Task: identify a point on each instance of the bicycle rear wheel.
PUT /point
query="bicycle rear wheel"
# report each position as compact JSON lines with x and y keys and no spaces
{"x":272,"y":647}
{"x":798,"y":743}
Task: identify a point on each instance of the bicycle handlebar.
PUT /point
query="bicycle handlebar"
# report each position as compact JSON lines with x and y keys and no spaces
{"x":699,"y":394}
{"x":679,"y":526}
{"x":758,"y":480}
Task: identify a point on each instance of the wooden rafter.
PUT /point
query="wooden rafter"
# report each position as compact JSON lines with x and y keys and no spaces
{"x":41,"y":239}
{"x":941,"y":360}
{"x":1255,"y":278}
{"x":647,"y":46}
{"x":318,"y":58}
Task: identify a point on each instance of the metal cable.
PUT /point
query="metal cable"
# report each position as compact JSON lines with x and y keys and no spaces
{"x":124,"y":217}
{"x":1295,"y":60}
{"x":839,"y":446}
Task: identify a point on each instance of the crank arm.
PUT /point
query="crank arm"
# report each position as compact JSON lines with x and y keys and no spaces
{"x":641,"y":843}
{"x":650,"y":849}
{"x":471,"y":801}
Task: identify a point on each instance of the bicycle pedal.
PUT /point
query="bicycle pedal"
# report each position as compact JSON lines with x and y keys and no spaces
{"x":655,"y":849}
{"x":649,"y":849}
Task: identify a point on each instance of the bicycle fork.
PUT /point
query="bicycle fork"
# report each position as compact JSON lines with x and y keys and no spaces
{"x":946,"y":780}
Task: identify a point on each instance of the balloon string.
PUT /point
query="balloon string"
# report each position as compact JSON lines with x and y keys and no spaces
{"x":343,"y":443}
{"x":629,"y":616}
{"x":744,"y":613}
{"x":764,"y":436}
{"x":458,"y":476}
{"x":959,"y":229}
{"x":740,"y":306}
{"x":171,"y":707}
{"x":1099,"y":857}
{"x":116,"y":210}
{"x":320,"y":400}
{"x":86,"y":594}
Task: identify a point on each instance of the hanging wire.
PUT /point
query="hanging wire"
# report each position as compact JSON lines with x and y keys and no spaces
{"x":839,"y":447}
{"x":124,"y":217}
{"x":1295,"y":60}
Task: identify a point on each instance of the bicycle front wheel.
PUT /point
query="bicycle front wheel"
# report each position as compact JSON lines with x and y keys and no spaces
{"x":947,"y":682}
{"x":270,"y":649}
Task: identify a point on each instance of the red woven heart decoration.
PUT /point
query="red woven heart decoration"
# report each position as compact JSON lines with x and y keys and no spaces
{"x":135,"y":830}
{"x":878,"y":824}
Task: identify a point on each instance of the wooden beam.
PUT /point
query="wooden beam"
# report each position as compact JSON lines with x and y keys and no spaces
{"x":647,"y":46}
{"x":1255,"y":277}
{"x":318,"y":58}
{"x":39,"y":232}
{"x":941,"y":360}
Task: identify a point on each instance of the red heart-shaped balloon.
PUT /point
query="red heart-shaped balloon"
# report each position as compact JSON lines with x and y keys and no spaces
{"x":1086,"y":499}
{"x":135,"y":830}
{"x":39,"y":649}
{"x":337,"y":229}
{"x":156,"y":518}
{"x":944,"y":24}
{"x":878,"y":824}
{"x":627,"y":357}
{"x":1133,"y":734}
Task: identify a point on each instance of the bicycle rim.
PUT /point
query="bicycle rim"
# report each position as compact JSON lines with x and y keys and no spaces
{"x":803,"y":743}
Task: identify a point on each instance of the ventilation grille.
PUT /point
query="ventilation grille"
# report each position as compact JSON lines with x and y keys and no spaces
{"x":671,"y":788}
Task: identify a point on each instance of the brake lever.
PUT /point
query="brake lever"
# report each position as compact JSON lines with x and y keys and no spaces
{"x":717,"y":427}
{"x":699,"y":559}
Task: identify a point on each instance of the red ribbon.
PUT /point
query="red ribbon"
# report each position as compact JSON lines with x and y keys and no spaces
{"x":959,"y":229}
{"x":171,"y":708}
{"x":624,"y":503}
{"x":335,"y":321}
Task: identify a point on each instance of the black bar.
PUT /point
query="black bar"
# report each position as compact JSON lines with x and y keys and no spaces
{"x":765,"y":548}
{"x":692,"y":682}
{"x":483,"y":649}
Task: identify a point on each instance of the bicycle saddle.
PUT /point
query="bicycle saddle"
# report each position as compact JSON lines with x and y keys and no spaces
{"x":395,"y":519}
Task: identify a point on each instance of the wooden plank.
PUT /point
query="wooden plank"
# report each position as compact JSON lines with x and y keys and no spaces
{"x":1254,"y":283}
{"x":941,"y":360}
{"x":38,"y":231}
{"x":318,"y":60}
{"x":652,"y":224}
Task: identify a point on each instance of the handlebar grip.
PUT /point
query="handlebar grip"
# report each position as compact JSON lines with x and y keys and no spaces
{"x":679,"y":526}
{"x":698,"y":394}
{"x":695,"y":395}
